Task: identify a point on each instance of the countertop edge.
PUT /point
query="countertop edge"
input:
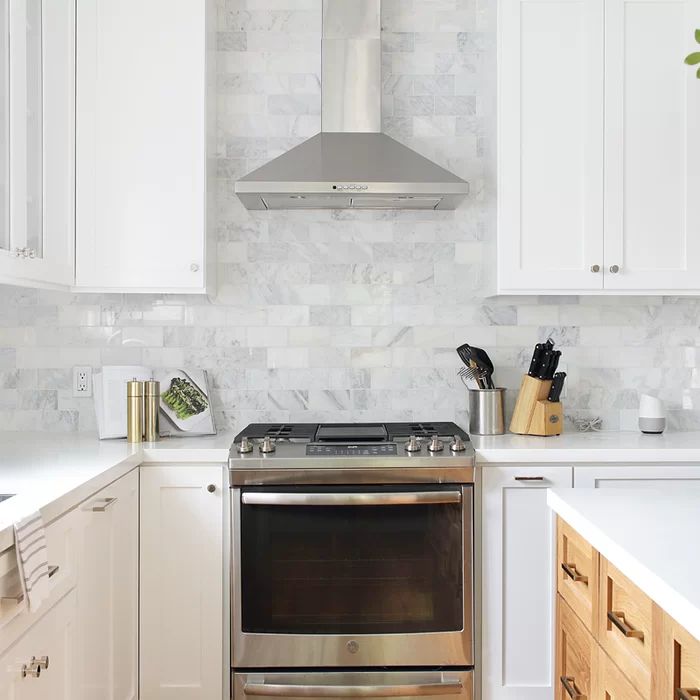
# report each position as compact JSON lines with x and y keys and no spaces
{"x":663,"y":594}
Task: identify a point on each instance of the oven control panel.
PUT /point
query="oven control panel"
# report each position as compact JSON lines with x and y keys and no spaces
{"x":384,"y":449}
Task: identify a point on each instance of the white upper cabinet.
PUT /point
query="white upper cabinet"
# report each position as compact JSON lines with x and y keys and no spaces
{"x":37,"y":141}
{"x":550,"y":162}
{"x":599,"y":147}
{"x":652,"y":146}
{"x":142,"y":116}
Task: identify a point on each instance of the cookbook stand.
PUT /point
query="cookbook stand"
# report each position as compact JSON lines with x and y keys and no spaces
{"x":533,"y":414}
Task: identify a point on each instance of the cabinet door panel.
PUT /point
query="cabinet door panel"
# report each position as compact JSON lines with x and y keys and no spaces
{"x":652,"y":145}
{"x":182,"y":574}
{"x":518,"y":544}
{"x":550,"y":144}
{"x":52,"y":636}
{"x":141,"y":144}
{"x":108,"y":593}
{"x":637,"y":477}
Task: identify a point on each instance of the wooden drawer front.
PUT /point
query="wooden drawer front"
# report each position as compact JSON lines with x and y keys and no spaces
{"x":575,"y":649}
{"x":577,"y":572}
{"x":625,"y":626}
{"x":610,"y":683}
{"x":686,"y":665}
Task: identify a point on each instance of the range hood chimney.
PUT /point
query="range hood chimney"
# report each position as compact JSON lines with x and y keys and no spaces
{"x":351,"y":164}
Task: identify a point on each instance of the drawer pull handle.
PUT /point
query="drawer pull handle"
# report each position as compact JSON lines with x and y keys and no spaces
{"x":100,"y":505}
{"x":618,"y":619}
{"x":570,"y":571}
{"x":687,"y":693}
{"x":570,"y":687}
{"x":529,"y":478}
{"x":20,"y":596}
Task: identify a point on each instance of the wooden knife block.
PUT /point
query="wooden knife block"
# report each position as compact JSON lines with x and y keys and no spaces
{"x":533,"y":414}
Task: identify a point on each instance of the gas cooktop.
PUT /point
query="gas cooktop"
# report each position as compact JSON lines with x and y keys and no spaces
{"x":347,"y":452}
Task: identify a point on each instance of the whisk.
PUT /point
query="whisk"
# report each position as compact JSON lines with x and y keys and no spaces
{"x":471,"y":374}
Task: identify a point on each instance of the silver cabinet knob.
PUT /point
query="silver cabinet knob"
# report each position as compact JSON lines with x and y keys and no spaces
{"x":31,"y":253}
{"x":614,"y":269}
{"x":458,"y":444}
{"x":267,"y":446}
{"x":211,"y":488}
{"x":595,"y":268}
{"x":413,"y":445}
{"x":245,"y":446}
{"x":17,"y":252}
{"x":32,"y":669}
{"x":194,"y":267}
{"x":435,"y":444}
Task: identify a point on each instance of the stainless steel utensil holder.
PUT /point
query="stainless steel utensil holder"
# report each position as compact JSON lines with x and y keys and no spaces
{"x":487,"y":411}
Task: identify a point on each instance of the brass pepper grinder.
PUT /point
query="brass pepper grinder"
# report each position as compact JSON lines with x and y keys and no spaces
{"x":134,"y":411}
{"x":152,"y":410}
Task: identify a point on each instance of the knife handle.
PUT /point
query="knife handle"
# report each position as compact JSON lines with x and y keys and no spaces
{"x":557,"y":386}
{"x":536,"y":358}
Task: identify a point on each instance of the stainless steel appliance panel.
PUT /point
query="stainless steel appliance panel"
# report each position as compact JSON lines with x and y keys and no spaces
{"x":457,"y":684}
{"x":450,"y":644}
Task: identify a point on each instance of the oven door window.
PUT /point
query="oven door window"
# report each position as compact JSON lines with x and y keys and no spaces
{"x":318,"y":562}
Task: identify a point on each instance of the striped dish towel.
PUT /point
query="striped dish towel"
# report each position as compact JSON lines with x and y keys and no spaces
{"x":32,"y":559}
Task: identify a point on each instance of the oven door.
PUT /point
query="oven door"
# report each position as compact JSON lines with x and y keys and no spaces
{"x":458,"y":685}
{"x":350,"y":577}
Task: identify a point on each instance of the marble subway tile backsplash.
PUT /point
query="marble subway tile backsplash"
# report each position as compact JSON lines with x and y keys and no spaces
{"x":342,"y":315}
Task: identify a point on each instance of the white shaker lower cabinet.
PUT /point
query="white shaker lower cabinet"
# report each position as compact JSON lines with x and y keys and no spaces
{"x":518,"y":544}
{"x":143,"y":119}
{"x":182,"y":582}
{"x":108,"y":593}
{"x":637,"y":477}
{"x":53,"y":637}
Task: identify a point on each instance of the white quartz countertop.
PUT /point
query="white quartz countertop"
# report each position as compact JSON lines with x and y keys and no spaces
{"x":592,"y":447}
{"x":649,"y":535}
{"x":55,"y":472}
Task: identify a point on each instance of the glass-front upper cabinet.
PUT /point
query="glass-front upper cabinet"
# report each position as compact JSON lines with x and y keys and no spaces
{"x":37,"y":141}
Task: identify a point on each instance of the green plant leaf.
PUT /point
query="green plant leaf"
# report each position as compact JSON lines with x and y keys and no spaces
{"x":698,"y":73}
{"x":693,"y":59}
{"x":697,"y":35}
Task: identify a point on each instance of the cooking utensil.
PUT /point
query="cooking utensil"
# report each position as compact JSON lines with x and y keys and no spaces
{"x":557,"y":386}
{"x":536,"y":359}
{"x":473,"y":374}
{"x":466,"y":354}
{"x":483,"y":361}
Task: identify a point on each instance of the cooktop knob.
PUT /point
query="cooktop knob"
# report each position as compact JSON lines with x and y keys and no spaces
{"x":267,"y":446}
{"x":435,"y":444}
{"x":413,"y":445}
{"x":458,"y":444}
{"x":245,"y":447}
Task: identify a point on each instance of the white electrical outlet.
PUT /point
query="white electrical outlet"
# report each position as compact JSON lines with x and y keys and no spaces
{"x":82,"y":381}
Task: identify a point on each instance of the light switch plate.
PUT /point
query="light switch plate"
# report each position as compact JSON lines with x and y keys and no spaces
{"x":82,"y":382}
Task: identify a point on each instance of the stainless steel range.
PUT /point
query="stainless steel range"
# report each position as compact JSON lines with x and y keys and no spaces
{"x":352,"y":561}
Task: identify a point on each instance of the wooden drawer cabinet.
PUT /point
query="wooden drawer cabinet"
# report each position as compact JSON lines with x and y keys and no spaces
{"x":625,"y":625}
{"x":685,"y":663}
{"x":577,"y":572}
{"x":610,"y":683}
{"x":574,"y":655}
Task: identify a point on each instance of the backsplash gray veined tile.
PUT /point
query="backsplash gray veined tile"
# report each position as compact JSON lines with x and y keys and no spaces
{"x":351,"y":315}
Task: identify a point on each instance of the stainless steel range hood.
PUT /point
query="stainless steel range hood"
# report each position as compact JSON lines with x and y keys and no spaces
{"x":351,"y":164}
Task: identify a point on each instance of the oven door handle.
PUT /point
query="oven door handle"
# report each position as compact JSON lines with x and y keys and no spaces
{"x":399,"y":498}
{"x":353,"y":691}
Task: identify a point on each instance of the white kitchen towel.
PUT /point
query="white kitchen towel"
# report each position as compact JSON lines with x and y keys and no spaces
{"x":32,"y":559}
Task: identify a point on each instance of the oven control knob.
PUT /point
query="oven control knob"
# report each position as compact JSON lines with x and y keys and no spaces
{"x":245,"y":446}
{"x":458,"y":444}
{"x":435,"y":444}
{"x":413,"y":445}
{"x":267,"y":445}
